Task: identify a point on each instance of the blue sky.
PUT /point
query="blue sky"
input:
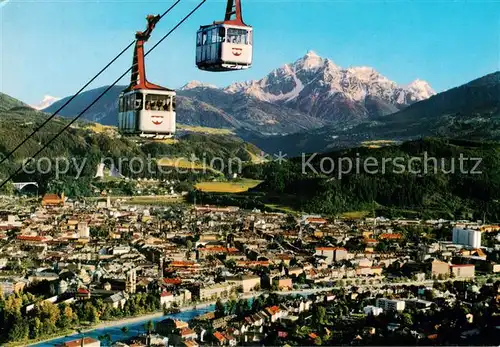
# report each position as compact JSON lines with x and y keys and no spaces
{"x":53,"y":47}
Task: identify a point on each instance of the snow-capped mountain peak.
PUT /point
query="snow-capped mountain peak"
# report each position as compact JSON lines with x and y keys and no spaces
{"x":311,"y":61}
{"x":46,"y":102}
{"x":314,"y":76}
{"x":317,"y":86}
{"x":197,"y":84}
{"x":421,"y":88}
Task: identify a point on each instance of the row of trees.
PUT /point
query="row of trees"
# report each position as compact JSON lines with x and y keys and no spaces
{"x":45,"y":318}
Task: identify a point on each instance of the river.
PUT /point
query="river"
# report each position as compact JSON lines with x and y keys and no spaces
{"x":134,"y":329}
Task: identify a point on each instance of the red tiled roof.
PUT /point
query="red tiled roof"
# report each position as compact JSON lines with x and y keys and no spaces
{"x":330,"y":249}
{"x":78,"y":342}
{"x":432,"y":336}
{"x":272,"y":310}
{"x":30,"y":238}
{"x":179,"y":263}
{"x":82,"y":291}
{"x":164,"y":294}
{"x":252,"y":263}
{"x":172,"y":281}
{"x":316,"y":220}
{"x":219,"y":336}
{"x":186,"y":331}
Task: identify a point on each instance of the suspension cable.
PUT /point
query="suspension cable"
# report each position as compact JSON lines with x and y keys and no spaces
{"x":78,"y":93}
{"x":101,"y":95}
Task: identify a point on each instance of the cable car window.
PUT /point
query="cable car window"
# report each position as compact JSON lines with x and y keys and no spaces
{"x":127,"y":103}
{"x":131,"y":103}
{"x":199,"y":37}
{"x":174,"y":105}
{"x":204,"y":41}
{"x":215,"y":36}
{"x":138,"y":102}
{"x":238,"y":36}
{"x":222,"y":34}
{"x":209,"y":36}
{"x":120,"y":104}
{"x":158,"y":102}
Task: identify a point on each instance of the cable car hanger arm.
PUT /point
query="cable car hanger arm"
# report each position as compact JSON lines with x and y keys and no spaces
{"x":233,"y":13}
{"x":146,"y":34}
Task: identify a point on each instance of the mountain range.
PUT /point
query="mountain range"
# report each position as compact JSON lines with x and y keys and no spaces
{"x":318,"y":87}
{"x":470,"y":111}
{"x":313,"y":104}
{"x":307,"y":94}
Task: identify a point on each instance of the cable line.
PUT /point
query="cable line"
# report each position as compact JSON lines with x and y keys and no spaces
{"x":102,"y":94}
{"x":78,"y":93}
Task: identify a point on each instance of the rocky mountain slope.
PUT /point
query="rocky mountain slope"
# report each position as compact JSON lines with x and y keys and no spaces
{"x":471,"y":111}
{"x":319,"y":88}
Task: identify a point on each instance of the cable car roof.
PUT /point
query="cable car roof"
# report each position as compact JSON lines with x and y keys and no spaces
{"x":147,"y":85}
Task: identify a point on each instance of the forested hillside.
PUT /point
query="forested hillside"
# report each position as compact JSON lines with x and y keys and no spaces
{"x":89,"y":143}
{"x":436,"y":193}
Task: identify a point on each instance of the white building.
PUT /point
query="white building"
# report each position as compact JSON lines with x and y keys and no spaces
{"x":390,"y":305}
{"x":467,"y":237}
{"x":372,"y":310}
{"x":83,"y":230}
{"x":166,"y":299}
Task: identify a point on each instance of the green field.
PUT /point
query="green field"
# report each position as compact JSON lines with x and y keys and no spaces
{"x":154,"y":200}
{"x":238,"y":186}
{"x":355,"y":214}
{"x":183,"y":163}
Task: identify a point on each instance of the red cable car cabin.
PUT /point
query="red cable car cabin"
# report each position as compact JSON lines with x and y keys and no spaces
{"x":227,"y":45}
{"x":146,"y":109}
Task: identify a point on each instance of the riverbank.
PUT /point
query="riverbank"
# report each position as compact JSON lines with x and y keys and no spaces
{"x":134,"y":323}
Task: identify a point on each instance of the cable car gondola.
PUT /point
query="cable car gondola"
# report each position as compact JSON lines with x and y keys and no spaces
{"x":146,"y":109}
{"x":227,"y":45}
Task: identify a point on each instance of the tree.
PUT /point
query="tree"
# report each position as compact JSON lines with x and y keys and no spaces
{"x":189,"y":244}
{"x":66,"y":316}
{"x":219,"y":309}
{"x":231,"y":306}
{"x":302,"y":279}
{"x":7,"y":189}
{"x":149,"y":326}
{"x":106,"y":339}
{"x":258,"y":303}
{"x":407,"y":320}
{"x":242,"y":307}
{"x":19,"y":330}
{"x":319,"y":315}
{"x":231,"y":264}
{"x":124,"y":330}
{"x":89,"y":313}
